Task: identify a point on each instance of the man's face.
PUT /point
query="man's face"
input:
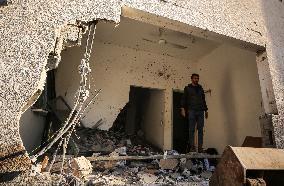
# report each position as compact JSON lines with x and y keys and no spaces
{"x":195,"y":80}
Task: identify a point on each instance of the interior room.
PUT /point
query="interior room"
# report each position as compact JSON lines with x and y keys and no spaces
{"x":149,"y":66}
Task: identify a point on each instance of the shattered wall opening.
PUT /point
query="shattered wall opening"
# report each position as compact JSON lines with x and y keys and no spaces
{"x":35,"y":122}
{"x":144,"y":54}
{"x":145,"y":115}
{"x":161,"y":58}
{"x":122,"y":59}
{"x":37,"y":116}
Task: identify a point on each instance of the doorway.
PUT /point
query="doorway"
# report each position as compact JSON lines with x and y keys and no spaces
{"x":180,"y":126}
{"x":145,"y":115}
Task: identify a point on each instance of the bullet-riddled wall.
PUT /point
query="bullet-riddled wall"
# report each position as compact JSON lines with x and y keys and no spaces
{"x":115,"y":69}
{"x":234,"y":106}
{"x":130,"y":54}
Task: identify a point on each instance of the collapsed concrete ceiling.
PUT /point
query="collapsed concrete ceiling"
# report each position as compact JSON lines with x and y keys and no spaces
{"x":147,"y":37}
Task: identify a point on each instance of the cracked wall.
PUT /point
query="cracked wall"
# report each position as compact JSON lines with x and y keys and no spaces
{"x":29,"y":28}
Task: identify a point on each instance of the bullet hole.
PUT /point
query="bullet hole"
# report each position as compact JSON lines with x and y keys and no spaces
{"x":168,"y":76}
{"x":160,"y":73}
{"x":263,"y":58}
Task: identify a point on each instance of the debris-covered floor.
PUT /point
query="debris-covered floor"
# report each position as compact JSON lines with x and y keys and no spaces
{"x":113,"y":158}
{"x":165,"y":171}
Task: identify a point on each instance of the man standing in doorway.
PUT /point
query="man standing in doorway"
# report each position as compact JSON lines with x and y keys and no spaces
{"x":193,"y":106}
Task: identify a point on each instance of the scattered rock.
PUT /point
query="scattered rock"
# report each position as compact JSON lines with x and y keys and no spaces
{"x":81,"y":167}
{"x":206,"y":174}
{"x":151,"y":171}
{"x":188,"y":165}
{"x":147,"y":178}
{"x":195,"y":178}
{"x":44,"y":163}
{"x":175,"y":175}
{"x":168,"y":163}
{"x":121,"y":151}
{"x":186,"y":173}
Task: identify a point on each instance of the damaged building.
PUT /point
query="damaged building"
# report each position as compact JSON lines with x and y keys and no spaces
{"x":123,"y":64}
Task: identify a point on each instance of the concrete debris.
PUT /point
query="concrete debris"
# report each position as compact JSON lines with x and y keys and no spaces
{"x":168,"y":163}
{"x":92,"y":141}
{"x":187,"y":164}
{"x":146,"y":172}
{"x":121,"y":151}
{"x":206,"y":174}
{"x":118,"y":159}
{"x":35,"y":169}
{"x":44,"y":163}
{"x":186,"y":173}
{"x":147,"y":178}
{"x":81,"y":167}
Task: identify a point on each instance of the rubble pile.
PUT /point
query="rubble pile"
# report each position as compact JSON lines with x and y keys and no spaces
{"x":155,"y":172}
{"x":131,"y":161}
{"x":89,"y":141}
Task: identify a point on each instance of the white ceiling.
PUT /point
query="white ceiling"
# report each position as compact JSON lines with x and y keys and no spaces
{"x":142,"y":36}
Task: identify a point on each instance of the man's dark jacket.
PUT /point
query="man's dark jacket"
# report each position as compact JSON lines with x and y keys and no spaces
{"x":194,"y":98}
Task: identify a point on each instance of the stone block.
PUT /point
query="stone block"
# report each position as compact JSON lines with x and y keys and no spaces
{"x":168,"y":163}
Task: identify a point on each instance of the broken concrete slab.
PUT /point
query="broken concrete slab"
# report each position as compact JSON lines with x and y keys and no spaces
{"x":81,"y":167}
{"x":168,"y":163}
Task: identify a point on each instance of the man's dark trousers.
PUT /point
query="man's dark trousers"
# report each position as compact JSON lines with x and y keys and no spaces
{"x":195,"y":118}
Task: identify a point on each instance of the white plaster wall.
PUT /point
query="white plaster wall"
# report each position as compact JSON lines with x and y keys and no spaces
{"x":115,"y":68}
{"x":31,"y":129}
{"x":235,"y":101}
